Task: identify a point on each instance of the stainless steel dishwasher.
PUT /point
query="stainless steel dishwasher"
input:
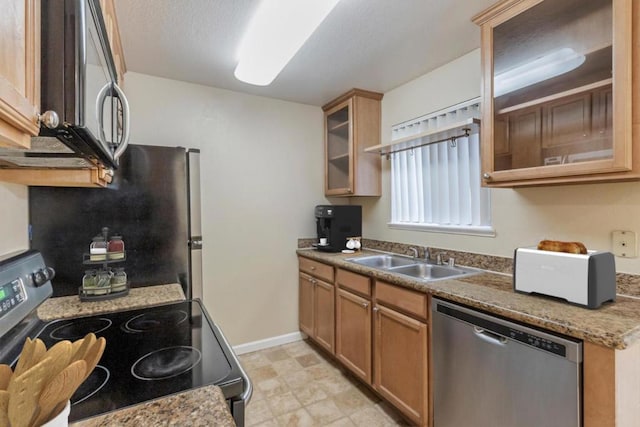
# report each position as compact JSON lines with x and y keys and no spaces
{"x":489,"y":372}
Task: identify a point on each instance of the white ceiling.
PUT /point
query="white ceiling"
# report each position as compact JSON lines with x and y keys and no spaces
{"x":369,"y":44}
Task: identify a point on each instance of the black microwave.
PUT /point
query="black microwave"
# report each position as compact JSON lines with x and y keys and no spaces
{"x":79,"y":84}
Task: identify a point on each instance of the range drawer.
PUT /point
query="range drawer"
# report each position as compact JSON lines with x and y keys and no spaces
{"x":410,"y":302}
{"x":317,"y":269}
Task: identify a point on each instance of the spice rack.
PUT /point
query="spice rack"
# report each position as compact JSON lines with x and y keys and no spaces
{"x":104,"y":282}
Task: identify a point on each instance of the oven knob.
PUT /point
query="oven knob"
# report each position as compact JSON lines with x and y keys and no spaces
{"x":39,"y":278}
{"x":43,"y":275}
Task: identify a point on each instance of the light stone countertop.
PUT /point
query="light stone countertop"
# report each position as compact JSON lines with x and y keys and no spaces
{"x":66,"y":307}
{"x":614,"y":325}
{"x":203,"y":406}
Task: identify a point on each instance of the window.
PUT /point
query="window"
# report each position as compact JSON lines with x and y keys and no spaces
{"x":435,"y":186}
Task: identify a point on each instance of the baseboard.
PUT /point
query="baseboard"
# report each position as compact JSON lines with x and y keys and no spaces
{"x":268,"y":342}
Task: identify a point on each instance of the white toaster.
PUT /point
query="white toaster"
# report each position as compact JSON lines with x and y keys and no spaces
{"x":587,"y":280}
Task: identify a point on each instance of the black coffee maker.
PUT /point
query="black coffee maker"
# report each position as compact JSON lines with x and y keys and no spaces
{"x":337,"y":224}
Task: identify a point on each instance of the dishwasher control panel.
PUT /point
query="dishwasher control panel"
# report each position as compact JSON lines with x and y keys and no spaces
{"x":537,"y":341}
{"x":542,"y":341}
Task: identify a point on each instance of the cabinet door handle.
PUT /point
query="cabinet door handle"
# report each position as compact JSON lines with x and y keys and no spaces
{"x":375,"y":309}
{"x":313,"y":267}
{"x":365,"y":304}
{"x":486,"y":176}
{"x":49,"y":119}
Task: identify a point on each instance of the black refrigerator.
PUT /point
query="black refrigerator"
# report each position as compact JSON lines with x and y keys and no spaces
{"x":153,"y":203}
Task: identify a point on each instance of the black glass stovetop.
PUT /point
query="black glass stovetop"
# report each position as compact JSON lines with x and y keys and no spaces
{"x":150,"y":353}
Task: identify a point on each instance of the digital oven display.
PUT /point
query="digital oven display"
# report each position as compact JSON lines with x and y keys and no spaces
{"x":11,"y":295}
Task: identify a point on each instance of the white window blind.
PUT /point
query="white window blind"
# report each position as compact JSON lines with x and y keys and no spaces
{"x":437,"y":187}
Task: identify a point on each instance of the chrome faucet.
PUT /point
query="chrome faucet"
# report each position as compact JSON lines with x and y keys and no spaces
{"x":427,"y":253}
{"x":415,"y":251}
{"x":440,"y":261}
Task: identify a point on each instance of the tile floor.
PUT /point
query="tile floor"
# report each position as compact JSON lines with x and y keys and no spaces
{"x":297,"y":385}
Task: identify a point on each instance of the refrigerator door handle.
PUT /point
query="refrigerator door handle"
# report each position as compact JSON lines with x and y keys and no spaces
{"x":196,"y":242}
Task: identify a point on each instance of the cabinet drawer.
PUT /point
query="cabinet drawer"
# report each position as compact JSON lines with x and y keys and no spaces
{"x":411,"y":302}
{"x":317,"y":269}
{"x":355,"y":282}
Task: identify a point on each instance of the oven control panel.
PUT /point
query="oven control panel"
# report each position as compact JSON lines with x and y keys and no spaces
{"x":12,"y":294}
{"x":24,"y":285}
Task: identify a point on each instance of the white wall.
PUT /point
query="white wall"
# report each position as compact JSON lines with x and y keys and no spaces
{"x":14,"y":218}
{"x":261,"y":176}
{"x":521,"y":217}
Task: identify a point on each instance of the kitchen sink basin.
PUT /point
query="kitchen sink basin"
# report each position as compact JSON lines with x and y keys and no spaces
{"x":416,"y":268}
{"x":384,"y":261}
{"x":432,"y":272}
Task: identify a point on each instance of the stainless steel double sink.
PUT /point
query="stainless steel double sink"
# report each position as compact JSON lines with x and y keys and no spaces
{"x":415,"y":268}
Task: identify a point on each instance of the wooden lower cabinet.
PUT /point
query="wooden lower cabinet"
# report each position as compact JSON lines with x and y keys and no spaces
{"x":353,"y":333}
{"x":381,"y":332}
{"x":305,"y":304}
{"x":316,"y":310}
{"x":401,"y":363}
{"x":324,"y":315}
{"x":611,"y":386}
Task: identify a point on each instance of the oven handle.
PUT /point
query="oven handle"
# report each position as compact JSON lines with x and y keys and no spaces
{"x":248,"y":392}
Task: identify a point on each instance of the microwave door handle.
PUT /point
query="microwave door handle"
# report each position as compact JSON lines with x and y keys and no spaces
{"x":125,"y":122}
{"x":102,"y":95}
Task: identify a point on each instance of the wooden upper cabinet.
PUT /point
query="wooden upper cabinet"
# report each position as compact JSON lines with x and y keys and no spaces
{"x":19,"y":72}
{"x":113,"y":32}
{"x":352,"y":123}
{"x":20,"y":92}
{"x":559,"y":77}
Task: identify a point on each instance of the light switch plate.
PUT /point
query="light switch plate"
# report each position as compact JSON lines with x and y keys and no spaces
{"x":624,"y":243}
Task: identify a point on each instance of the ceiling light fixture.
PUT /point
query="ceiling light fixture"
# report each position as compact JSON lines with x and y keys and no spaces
{"x":543,"y":68}
{"x":277,"y":31}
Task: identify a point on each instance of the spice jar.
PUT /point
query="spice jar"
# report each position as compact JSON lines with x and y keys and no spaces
{"x":115,"y":247}
{"x":118,"y":280}
{"x":89,"y":282}
{"x":98,"y":249}
{"x":103,"y":282}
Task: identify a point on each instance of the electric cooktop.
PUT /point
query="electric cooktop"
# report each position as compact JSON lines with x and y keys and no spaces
{"x":150,"y":353}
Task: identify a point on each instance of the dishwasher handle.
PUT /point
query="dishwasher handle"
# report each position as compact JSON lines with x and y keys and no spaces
{"x":490,"y":337}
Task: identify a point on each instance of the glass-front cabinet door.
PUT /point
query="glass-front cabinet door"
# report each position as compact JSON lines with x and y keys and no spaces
{"x":339,"y":147}
{"x":352,"y":125}
{"x":557,"y":91}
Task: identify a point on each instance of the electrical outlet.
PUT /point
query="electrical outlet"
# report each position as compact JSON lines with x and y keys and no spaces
{"x":624,"y":243}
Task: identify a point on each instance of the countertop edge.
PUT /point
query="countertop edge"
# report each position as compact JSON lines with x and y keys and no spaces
{"x":197,"y":407}
{"x":71,"y":306}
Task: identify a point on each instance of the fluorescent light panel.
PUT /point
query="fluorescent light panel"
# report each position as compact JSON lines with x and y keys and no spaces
{"x":543,"y":68}
{"x":277,"y":31}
